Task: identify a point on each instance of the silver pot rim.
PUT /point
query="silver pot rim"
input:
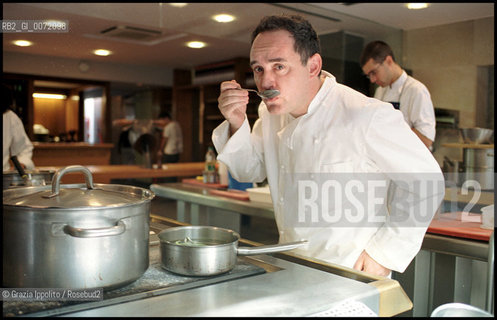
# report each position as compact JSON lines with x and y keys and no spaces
{"x":70,"y":196}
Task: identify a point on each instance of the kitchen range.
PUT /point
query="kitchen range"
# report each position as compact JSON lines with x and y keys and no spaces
{"x":77,"y":249}
{"x":261,"y":285}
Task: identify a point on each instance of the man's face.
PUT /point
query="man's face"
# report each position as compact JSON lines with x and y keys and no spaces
{"x":377,"y":72}
{"x":277,"y":66}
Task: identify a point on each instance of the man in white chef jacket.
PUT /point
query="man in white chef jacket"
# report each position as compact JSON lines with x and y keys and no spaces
{"x":345,"y":171}
{"x":404,"y":92}
{"x":15,"y":140}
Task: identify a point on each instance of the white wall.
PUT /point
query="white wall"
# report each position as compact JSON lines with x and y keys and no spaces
{"x":446,"y":59}
{"x":100,"y":71}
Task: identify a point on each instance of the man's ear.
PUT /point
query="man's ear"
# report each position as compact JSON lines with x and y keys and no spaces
{"x":389,"y":60}
{"x":314,"y":65}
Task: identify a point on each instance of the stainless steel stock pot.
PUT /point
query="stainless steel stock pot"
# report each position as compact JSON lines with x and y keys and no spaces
{"x":11,"y":178}
{"x":75,"y":235}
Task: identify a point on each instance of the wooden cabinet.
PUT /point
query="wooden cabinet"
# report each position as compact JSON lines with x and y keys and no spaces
{"x":73,"y":153}
{"x":196,"y":106}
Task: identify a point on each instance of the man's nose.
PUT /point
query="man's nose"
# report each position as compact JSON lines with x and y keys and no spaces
{"x":267,"y":80}
{"x":372,"y":78}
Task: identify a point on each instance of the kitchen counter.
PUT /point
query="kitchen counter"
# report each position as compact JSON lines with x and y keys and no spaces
{"x":105,"y":173}
{"x":198,"y":206}
{"x":456,"y":195}
{"x":449,"y":247}
{"x":285,"y":289}
{"x":469,"y":145}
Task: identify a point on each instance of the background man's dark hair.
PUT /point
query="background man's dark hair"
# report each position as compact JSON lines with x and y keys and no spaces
{"x":376,"y":50}
{"x":306,"y":39}
{"x":165,"y":114}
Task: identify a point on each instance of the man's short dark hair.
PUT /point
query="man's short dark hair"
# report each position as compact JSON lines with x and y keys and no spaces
{"x":306,"y":40}
{"x":376,"y":50}
{"x":165,"y":114}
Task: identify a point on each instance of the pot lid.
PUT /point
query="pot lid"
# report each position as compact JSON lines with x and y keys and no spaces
{"x":78,"y":196}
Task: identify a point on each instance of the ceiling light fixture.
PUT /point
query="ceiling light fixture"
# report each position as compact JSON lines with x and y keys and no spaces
{"x":417,"y":5}
{"x":223,"y":18}
{"x":196,"y":44}
{"x":22,"y":43}
{"x":178,"y":5}
{"x":102,"y":52}
{"x":49,"y":96}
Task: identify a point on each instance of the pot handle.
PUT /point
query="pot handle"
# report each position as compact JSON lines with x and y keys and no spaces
{"x":58,"y":176}
{"x":96,"y":232}
{"x":245,"y":251}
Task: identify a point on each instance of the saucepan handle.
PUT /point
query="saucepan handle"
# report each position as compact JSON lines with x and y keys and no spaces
{"x":245,"y":251}
{"x":95,"y":232}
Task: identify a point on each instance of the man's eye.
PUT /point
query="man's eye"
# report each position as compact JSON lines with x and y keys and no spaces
{"x":280,"y":67}
{"x":257,"y":69}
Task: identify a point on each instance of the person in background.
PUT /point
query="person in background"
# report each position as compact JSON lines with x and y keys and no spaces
{"x":171,"y":144}
{"x":317,"y":130}
{"x":15,"y":140}
{"x":404,"y":92}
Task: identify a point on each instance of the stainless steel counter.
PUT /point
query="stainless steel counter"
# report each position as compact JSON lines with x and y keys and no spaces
{"x":463,"y":266}
{"x":286,"y":285}
{"x":285,"y":289}
{"x":292,"y":291}
{"x":195,"y":205}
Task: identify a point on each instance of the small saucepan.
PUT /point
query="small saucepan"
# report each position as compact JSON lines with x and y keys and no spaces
{"x":207,"y":251}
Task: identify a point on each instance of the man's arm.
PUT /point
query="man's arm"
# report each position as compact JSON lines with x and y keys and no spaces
{"x":427,"y":142}
{"x":163,"y":142}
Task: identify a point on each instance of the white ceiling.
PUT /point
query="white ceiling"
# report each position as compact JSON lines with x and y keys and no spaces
{"x":193,"y":22}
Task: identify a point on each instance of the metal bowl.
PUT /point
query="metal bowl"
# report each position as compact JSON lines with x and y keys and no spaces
{"x":476,"y":135}
{"x":459,"y":310}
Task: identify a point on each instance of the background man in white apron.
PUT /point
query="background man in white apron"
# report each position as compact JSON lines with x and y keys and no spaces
{"x":404,"y":92}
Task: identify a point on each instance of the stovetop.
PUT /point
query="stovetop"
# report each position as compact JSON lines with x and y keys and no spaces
{"x":154,"y":282}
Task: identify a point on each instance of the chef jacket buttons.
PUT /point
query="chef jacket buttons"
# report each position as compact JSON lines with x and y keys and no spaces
{"x":316,"y":140}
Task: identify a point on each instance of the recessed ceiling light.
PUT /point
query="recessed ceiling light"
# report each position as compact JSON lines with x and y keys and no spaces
{"x":178,"y":5}
{"x":102,"y":52}
{"x":22,"y":43}
{"x":196,"y":44}
{"x":417,"y":5}
{"x":223,"y":18}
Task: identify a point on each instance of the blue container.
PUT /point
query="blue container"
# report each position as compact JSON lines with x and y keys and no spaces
{"x":234,"y":184}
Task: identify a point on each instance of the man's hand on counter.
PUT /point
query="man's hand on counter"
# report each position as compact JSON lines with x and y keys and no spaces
{"x":368,"y":264}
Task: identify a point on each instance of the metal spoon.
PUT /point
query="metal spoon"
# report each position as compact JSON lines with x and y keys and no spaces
{"x":268,"y":94}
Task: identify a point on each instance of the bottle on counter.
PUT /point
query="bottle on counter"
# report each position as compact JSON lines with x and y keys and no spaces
{"x":210,"y":172}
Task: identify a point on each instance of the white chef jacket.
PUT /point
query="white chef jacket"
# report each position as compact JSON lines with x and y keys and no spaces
{"x":343,"y":132}
{"x":16,"y":141}
{"x":415,"y":103}
{"x":174,"y":144}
